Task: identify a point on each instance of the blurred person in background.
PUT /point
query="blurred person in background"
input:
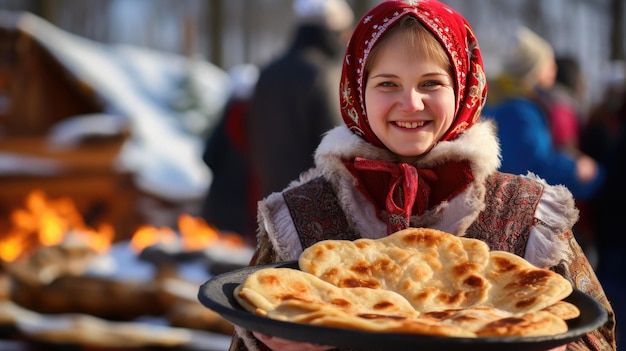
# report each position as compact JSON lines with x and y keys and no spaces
{"x":564,"y":102}
{"x":601,"y":132}
{"x":523,"y":106}
{"x":230,"y":203}
{"x":605,"y":137}
{"x":295,"y":101}
{"x":566,"y":118}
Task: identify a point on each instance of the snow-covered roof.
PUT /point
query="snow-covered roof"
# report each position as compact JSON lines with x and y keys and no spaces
{"x":167,"y":99}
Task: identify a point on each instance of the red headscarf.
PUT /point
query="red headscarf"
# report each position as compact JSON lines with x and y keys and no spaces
{"x":454,"y":34}
{"x":400,"y":190}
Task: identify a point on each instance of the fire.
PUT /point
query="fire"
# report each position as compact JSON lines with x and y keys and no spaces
{"x":195,"y":234}
{"x":148,"y":235}
{"x":47,"y":222}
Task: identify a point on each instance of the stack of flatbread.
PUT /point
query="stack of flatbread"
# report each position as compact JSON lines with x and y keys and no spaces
{"x":416,"y":281}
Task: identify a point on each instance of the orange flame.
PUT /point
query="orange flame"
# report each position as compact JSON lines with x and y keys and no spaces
{"x":46,"y":222}
{"x":148,"y":235}
{"x":12,"y":245}
{"x":195,"y":234}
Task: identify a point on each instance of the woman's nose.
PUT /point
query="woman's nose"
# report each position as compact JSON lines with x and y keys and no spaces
{"x":412,"y":100}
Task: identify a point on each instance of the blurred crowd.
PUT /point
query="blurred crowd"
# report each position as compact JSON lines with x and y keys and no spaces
{"x":277,"y":116}
{"x":544,"y":128}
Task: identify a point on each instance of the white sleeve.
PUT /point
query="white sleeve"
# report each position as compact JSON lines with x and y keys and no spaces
{"x":275,"y":219}
{"x":556,"y":213}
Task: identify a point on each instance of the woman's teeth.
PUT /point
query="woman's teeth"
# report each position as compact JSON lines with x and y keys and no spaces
{"x":410,"y":124}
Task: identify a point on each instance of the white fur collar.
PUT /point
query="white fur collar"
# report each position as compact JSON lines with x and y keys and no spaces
{"x":478,"y":145}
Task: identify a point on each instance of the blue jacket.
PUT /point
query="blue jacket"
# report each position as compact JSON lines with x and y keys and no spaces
{"x":527,"y":146}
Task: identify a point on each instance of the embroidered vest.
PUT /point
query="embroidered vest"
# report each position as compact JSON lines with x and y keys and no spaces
{"x":504,"y":224}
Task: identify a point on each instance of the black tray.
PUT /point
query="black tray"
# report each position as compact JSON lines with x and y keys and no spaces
{"x":217,"y":295}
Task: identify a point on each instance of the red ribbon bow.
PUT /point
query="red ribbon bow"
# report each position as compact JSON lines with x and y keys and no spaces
{"x":403,"y":190}
{"x":406,"y":182}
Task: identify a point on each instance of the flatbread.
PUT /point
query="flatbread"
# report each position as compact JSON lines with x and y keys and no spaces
{"x":489,"y":321}
{"x":435,"y":270}
{"x":529,"y":324}
{"x":299,"y":297}
{"x":295,"y":296}
{"x":563,"y":310}
{"x":300,"y":312}
{"x":519,"y":287}
{"x":266,"y":289}
{"x":416,"y":281}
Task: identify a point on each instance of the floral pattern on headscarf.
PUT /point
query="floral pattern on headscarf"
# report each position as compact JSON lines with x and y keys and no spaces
{"x":452,"y":31}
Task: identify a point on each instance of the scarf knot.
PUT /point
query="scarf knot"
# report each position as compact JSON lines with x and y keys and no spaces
{"x":408,"y":187}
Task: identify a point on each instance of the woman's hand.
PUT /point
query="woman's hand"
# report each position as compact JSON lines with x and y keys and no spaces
{"x":586,"y":168}
{"x":278,"y":344}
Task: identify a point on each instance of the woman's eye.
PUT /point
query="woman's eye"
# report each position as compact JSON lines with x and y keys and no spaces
{"x":432,"y":83}
{"x":387,"y":84}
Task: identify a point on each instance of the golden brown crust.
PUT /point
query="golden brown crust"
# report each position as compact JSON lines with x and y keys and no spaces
{"x":538,"y":323}
{"x":435,"y":270}
{"x":418,"y":280}
{"x":563,"y":310}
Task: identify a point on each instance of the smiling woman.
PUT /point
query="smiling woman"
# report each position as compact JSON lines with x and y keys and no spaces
{"x":414,"y":153}
{"x":409,"y":112}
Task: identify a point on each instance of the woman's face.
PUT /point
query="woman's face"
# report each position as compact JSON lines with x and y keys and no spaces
{"x":409,"y":99}
{"x":547,"y":74}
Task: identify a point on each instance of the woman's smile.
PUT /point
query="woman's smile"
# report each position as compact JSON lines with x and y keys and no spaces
{"x":409,"y":98}
{"x":409,"y":125}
